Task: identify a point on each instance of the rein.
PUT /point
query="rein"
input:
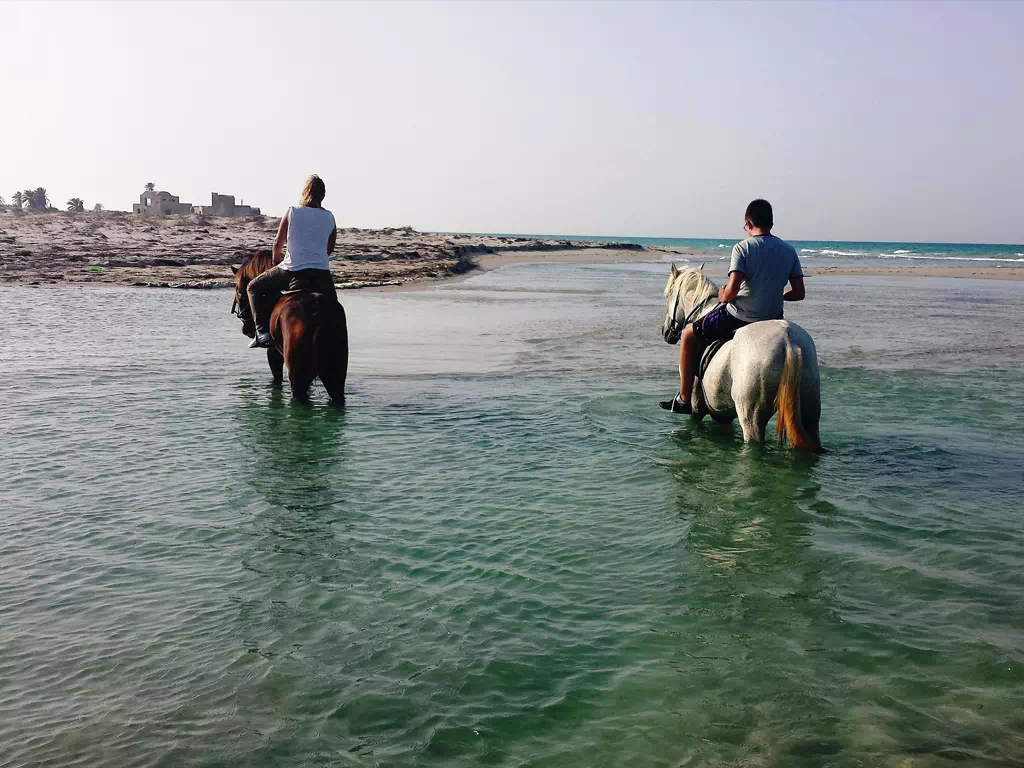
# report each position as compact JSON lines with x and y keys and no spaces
{"x":698,"y":308}
{"x":676,"y":326}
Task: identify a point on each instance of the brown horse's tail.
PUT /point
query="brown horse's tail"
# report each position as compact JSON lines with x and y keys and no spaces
{"x":788,"y":423}
{"x":330,"y":347}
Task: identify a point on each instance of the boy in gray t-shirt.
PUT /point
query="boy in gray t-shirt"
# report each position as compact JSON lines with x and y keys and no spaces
{"x":759,"y":269}
{"x":766,"y":264}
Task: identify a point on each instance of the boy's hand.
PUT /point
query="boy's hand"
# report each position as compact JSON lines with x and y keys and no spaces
{"x":732,"y":289}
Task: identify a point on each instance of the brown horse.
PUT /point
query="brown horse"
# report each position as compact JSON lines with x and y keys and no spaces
{"x":309,"y":330}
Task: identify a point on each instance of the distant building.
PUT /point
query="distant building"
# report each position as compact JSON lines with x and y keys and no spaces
{"x":160,"y":204}
{"x":166,"y":204}
{"x":224,"y":205}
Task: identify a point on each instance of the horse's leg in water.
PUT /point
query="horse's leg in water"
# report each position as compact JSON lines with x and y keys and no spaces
{"x":753,"y":409}
{"x":810,"y":411}
{"x":276,"y":365}
{"x":297,"y":345}
{"x":300,"y":369}
{"x":748,"y":417}
{"x":300,"y":377}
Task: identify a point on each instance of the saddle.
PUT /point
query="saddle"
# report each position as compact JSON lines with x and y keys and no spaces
{"x":319,"y":282}
{"x":708,"y":356}
{"x":705,"y":362}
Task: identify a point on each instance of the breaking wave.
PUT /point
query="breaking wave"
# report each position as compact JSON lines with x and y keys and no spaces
{"x":910,"y":255}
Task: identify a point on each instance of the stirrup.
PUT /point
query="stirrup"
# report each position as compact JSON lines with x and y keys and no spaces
{"x":263,"y":339}
{"x":675,"y":405}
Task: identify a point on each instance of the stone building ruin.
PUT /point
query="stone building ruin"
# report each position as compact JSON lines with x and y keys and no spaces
{"x":224,"y":205}
{"x":161,"y":204}
{"x":165,"y":204}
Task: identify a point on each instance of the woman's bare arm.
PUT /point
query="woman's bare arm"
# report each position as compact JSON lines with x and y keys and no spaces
{"x":281,"y":239}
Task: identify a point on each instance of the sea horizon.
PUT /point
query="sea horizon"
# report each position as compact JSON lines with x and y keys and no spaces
{"x":852,"y":250}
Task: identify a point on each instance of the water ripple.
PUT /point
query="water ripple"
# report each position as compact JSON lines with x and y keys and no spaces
{"x":499,"y":552}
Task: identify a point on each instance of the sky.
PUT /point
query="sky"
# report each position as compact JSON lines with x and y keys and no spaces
{"x":858,"y":121}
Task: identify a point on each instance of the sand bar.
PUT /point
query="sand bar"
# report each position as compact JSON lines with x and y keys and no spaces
{"x":978,"y":273}
{"x":115,"y":248}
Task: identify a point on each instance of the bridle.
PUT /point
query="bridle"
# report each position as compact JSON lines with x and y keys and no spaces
{"x":241,"y":310}
{"x":237,"y":309}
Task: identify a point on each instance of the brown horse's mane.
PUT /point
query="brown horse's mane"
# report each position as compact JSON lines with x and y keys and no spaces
{"x":250,"y":268}
{"x":257,"y":264}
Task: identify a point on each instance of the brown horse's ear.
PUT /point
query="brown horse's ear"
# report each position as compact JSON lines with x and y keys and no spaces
{"x":234,"y":269}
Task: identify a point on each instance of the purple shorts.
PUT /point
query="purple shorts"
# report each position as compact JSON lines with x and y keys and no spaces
{"x":717,"y":324}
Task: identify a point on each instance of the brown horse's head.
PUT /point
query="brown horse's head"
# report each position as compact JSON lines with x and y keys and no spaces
{"x":250,"y":267}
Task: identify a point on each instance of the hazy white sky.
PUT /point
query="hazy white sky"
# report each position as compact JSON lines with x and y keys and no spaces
{"x":859,"y":121}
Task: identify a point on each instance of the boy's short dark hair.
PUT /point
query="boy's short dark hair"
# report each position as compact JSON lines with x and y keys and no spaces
{"x":759,"y":214}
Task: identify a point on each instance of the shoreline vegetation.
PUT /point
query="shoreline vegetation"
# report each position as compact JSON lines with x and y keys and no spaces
{"x":118,"y":248}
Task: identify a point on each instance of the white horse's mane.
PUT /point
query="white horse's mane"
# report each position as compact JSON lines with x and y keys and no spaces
{"x":693,"y":287}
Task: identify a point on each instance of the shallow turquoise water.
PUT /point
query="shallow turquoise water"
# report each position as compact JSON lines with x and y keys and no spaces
{"x":501,"y":552}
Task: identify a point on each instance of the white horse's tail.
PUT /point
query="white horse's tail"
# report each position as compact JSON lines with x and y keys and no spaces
{"x":788,"y":423}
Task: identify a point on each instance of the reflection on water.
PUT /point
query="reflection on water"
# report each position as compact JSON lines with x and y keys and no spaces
{"x":294,"y":456}
{"x":747,"y":502}
{"x":295,"y":461}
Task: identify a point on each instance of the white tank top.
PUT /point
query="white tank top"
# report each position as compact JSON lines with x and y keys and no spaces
{"x":308,"y":232}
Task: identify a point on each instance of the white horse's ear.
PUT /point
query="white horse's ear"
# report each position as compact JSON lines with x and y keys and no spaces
{"x":702,"y":266}
{"x":675,"y":270}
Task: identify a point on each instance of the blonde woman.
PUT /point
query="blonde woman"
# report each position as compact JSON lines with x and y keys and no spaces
{"x":305,"y":240}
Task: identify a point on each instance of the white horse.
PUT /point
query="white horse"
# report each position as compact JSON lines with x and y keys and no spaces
{"x":766,"y":367}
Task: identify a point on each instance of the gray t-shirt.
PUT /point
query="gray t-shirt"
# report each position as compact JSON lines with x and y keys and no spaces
{"x":767,"y":264}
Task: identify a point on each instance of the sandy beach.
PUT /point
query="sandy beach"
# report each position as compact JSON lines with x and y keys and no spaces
{"x":116,"y":248}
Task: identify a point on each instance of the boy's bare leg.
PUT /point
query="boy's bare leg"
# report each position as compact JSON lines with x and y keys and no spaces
{"x":689,"y":348}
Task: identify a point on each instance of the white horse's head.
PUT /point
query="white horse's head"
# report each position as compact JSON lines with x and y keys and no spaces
{"x":687,"y":293}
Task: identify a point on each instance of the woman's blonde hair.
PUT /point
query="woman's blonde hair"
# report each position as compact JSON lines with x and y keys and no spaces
{"x":314,"y":192}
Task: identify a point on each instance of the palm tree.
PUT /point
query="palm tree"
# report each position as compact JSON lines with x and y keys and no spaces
{"x":3,"y":203}
{"x":150,"y":186}
{"x":76,"y":205}
{"x":98,"y":207}
{"x":40,"y":200}
{"x":17,"y":200}
{"x":26,"y":198}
